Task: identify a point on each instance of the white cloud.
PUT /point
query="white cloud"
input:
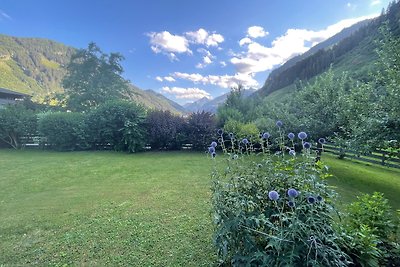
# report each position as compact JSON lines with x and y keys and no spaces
{"x":207,"y":58}
{"x":260,"y":58}
{"x":375,"y":2}
{"x":203,"y":37}
{"x":186,"y":93}
{"x":4,"y":15}
{"x":223,"y":81}
{"x":256,"y":31}
{"x":245,"y":41}
{"x":166,"y":78}
{"x":169,"y":79}
{"x":168,"y":44}
{"x":223,"y":63}
{"x":206,"y":61}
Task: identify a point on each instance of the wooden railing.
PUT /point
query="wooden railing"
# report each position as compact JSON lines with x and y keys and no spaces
{"x":378,"y":156}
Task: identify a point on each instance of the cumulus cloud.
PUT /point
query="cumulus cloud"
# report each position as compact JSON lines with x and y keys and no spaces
{"x":186,"y":93}
{"x":223,"y":63}
{"x":256,"y":32}
{"x":224,"y":81}
{"x":245,"y":41}
{"x":160,"y":79}
{"x":201,"y":36}
{"x":168,"y":44}
{"x":260,"y":58}
{"x":207,"y":58}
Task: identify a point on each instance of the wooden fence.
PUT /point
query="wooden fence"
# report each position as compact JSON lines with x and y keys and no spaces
{"x":378,"y":156}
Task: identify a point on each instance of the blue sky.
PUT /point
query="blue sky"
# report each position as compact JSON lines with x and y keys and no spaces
{"x":188,"y":49}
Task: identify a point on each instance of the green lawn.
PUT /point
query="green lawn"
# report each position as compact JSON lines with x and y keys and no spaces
{"x":353,"y":178}
{"x":145,"y":209}
{"x":88,"y":208}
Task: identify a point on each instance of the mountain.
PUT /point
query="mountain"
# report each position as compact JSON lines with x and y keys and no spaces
{"x":211,"y":105}
{"x":35,"y":66}
{"x":352,"y":50}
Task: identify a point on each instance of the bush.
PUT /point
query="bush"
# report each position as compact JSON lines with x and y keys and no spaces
{"x":371,"y":233}
{"x":17,"y":123}
{"x":62,"y":130}
{"x":273,"y":210}
{"x":116,"y":124}
{"x":165,"y":130}
{"x":201,"y":129}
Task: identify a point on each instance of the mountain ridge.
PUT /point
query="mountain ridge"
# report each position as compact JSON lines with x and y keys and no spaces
{"x":36,"y":66}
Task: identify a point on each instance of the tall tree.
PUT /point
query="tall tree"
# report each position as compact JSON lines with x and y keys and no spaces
{"x":93,"y":78}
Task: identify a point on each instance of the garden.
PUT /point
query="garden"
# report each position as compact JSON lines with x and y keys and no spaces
{"x":98,"y":180}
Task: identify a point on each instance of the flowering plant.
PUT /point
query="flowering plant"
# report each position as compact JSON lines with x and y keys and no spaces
{"x":273,"y":209}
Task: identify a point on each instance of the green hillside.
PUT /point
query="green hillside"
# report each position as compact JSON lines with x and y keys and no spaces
{"x":352,"y":51}
{"x":36,"y":66}
{"x":32,"y":65}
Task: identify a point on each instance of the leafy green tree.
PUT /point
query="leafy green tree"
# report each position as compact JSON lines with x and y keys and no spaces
{"x":93,"y":78}
{"x":233,"y":108}
{"x":16,"y":124}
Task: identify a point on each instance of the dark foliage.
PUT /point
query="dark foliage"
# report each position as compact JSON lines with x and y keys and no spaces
{"x":165,"y":130}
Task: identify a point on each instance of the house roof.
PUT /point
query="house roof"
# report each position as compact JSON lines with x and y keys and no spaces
{"x":7,"y":91}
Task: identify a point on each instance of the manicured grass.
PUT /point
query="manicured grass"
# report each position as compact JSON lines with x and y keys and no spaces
{"x":352,"y":178}
{"x":145,"y":209}
{"x":88,"y":208}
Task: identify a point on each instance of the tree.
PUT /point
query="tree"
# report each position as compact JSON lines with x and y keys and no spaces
{"x":93,"y":78}
{"x":16,"y":123}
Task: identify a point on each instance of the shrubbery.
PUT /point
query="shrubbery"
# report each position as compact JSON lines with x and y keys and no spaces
{"x":275,"y":209}
{"x":62,"y":130}
{"x":116,"y":124}
{"x":165,"y":130}
{"x":17,"y":124}
{"x":201,"y":127}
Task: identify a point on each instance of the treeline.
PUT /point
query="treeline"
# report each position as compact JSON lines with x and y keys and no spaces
{"x":355,"y":114}
{"x":321,"y":60}
{"x":117,"y":125}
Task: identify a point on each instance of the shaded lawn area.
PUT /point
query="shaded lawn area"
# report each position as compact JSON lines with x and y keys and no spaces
{"x":352,"y":178}
{"x":145,"y":209}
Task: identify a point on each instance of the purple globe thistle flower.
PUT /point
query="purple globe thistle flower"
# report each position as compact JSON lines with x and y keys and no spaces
{"x":211,"y":149}
{"x":302,"y":135}
{"x":231,"y":135}
{"x":319,"y":198}
{"x":291,"y":204}
{"x":213,"y":154}
{"x":311,"y":199}
{"x":245,"y":141}
{"x":292,"y":192}
{"x":214,"y":144}
{"x":322,"y":141}
{"x":290,"y":136}
{"x":273,"y":195}
{"x":307,"y":145}
{"x":292,"y":152}
{"x":220,"y":132}
{"x":266,"y":135}
{"x":279,"y":124}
